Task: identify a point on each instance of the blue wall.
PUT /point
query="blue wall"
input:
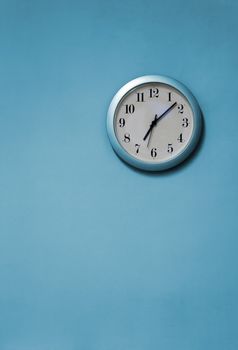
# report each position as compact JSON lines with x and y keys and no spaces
{"x":93,"y":254}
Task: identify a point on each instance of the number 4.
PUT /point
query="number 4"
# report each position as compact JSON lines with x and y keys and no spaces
{"x":180,"y":138}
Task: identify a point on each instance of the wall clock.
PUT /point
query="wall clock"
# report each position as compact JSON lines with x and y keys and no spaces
{"x":154,"y":122}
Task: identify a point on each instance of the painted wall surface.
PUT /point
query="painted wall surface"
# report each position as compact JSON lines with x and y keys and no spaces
{"x":93,"y":254}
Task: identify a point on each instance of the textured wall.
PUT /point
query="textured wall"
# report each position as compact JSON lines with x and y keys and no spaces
{"x":93,"y":254}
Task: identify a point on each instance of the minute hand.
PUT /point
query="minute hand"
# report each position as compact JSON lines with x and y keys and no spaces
{"x":155,"y":121}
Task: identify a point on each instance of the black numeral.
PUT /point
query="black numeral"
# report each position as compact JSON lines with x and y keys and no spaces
{"x":137,"y":148}
{"x":127,"y":138}
{"x":180,"y":138}
{"x":170,"y":148}
{"x":154,"y":92}
{"x":122,"y":122}
{"x":140,"y":97}
{"x":185,"y":122}
{"x":130,"y":109}
{"x":170,"y":94}
{"x":153,"y":152}
{"x":180,"y":108}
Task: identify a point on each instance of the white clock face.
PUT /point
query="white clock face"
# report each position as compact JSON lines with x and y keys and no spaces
{"x":154,"y":122}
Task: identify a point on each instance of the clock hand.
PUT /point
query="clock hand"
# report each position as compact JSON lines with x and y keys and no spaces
{"x":150,"y":128}
{"x":150,"y":134}
{"x":156,"y":119}
{"x":149,"y":138}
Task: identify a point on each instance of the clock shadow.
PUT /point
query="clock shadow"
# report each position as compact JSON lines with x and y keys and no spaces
{"x":188,"y":161}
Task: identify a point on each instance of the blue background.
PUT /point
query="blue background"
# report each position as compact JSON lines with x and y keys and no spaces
{"x":93,"y":254}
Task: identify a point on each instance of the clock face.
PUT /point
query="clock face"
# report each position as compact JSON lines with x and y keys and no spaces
{"x":140,"y":108}
{"x":154,"y":122}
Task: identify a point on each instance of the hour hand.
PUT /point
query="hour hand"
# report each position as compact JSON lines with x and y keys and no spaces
{"x":151,"y":127}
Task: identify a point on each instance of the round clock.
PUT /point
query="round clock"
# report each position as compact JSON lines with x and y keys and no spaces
{"x":154,"y":123}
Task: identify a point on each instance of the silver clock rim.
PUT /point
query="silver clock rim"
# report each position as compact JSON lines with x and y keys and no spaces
{"x":152,"y":165}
